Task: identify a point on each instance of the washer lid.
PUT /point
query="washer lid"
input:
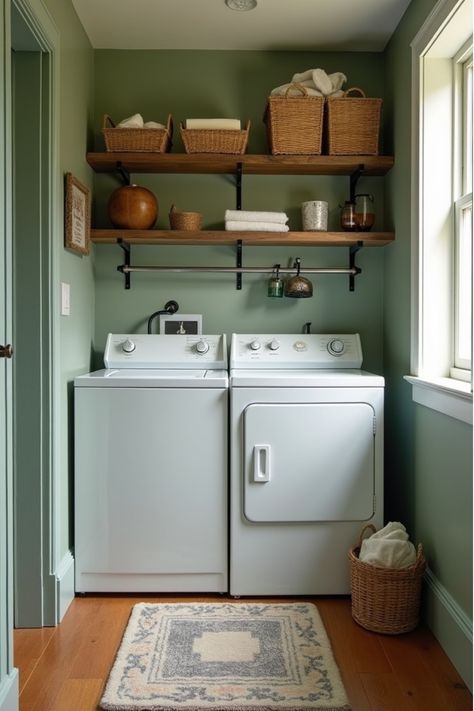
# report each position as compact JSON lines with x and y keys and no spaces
{"x":153,"y":378}
{"x":315,"y":378}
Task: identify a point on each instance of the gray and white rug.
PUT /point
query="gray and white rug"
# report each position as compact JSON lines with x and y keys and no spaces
{"x":224,"y":657}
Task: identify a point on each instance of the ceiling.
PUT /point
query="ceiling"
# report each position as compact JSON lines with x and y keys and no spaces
{"x":317,"y":25}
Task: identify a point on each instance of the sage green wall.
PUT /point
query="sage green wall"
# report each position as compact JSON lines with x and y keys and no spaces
{"x":428,"y":455}
{"x":236,"y":84}
{"x":76,"y":97}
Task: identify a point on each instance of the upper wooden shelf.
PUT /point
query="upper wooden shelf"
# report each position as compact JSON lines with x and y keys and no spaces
{"x":216,"y":237}
{"x":251,"y":163}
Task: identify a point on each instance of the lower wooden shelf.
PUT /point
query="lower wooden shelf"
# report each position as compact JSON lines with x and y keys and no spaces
{"x":222,"y":237}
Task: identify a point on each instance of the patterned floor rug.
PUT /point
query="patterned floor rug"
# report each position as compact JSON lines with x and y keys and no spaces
{"x":224,"y":657}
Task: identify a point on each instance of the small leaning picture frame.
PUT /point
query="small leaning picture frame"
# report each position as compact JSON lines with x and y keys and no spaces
{"x":76,"y":215}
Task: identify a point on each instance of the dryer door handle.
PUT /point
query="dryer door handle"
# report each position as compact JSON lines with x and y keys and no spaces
{"x":261,"y":463}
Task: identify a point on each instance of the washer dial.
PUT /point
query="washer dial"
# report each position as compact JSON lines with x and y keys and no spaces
{"x":202,"y":347}
{"x":255,"y":345}
{"x":336,"y":347}
{"x":128,"y":346}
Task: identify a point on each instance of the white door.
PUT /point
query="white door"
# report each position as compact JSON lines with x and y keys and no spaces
{"x":309,"y":462}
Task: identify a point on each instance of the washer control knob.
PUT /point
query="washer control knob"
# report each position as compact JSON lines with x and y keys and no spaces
{"x":255,"y":345}
{"x":336,"y":347}
{"x":274,"y":345}
{"x":128,"y":346}
{"x":202,"y":347}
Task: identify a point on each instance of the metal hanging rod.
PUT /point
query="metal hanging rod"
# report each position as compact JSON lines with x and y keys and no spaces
{"x":351,"y":271}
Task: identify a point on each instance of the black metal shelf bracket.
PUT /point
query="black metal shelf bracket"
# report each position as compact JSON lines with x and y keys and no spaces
{"x":127,"y":254}
{"x":353,"y":179}
{"x":238,"y":186}
{"x":238,"y":264}
{"x":353,"y":249}
{"x":123,"y":172}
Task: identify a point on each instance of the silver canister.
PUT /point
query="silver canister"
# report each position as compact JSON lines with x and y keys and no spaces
{"x":315,"y":215}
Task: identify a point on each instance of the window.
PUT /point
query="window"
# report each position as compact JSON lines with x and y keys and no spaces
{"x":462,"y":351}
{"x":442,"y":210}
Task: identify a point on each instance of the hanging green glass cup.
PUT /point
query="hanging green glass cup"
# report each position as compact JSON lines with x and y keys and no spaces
{"x":275,"y":283}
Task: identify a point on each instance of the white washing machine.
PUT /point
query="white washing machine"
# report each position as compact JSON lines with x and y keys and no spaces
{"x":151,"y":466}
{"x":306,"y":439}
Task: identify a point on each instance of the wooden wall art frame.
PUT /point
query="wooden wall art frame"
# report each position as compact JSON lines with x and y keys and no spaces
{"x":76,"y":215}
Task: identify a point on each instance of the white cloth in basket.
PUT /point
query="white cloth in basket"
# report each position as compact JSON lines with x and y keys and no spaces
{"x":389,"y":547}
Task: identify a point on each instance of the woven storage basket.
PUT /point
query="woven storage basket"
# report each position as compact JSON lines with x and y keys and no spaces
{"x":353,"y":124}
{"x":204,"y":140}
{"x":294,"y":123}
{"x":142,"y":140}
{"x":184,"y":220}
{"x":385,"y":600}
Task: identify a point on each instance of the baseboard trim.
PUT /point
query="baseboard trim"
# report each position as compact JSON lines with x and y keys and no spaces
{"x":9,"y":692}
{"x":64,"y":585}
{"x":450,"y":625}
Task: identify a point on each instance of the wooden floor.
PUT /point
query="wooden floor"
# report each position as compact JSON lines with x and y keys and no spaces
{"x":65,"y":668}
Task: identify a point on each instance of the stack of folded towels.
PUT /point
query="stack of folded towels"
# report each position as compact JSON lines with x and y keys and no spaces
{"x":316,"y":83}
{"x":136,"y":121}
{"x":389,"y":547}
{"x":256,"y":221}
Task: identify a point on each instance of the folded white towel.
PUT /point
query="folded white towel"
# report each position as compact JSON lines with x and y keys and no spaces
{"x":255,"y":216}
{"x":322,"y":82}
{"x":135,"y":121}
{"x":153,"y":124}
{"x":255,"y":226}
{"x":337,"y":80}
{"x":302,"y":76}
{"x":389,"y":547}
{"x":214,"y":123}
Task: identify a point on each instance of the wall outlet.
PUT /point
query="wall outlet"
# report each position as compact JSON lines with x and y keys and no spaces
{"x":65,"y":299}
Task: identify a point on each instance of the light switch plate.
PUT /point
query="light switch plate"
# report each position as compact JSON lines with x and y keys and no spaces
{"x":65,"y":299}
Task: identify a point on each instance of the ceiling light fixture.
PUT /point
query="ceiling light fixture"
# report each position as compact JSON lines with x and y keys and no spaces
{"x":241,"y":5}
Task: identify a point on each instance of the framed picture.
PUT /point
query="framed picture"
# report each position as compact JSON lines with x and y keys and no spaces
{"x":181,"y":324}
{"x":76,"y":215}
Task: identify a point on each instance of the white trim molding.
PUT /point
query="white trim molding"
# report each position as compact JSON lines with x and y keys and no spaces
{"x":451,"y":397}
{"x":9,"y":692}
{"x":64,"y":585}
{"x":450,"y":625}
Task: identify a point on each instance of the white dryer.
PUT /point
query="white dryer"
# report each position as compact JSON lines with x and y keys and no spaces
{"x":306,"y":439}
{"x":151,"y":466}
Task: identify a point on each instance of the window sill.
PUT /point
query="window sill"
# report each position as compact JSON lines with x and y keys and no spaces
{"x":446,"y":395}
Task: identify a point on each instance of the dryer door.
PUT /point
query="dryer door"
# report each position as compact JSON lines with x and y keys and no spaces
{"x":309,"y":462}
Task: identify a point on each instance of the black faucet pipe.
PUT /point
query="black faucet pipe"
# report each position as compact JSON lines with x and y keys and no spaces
{"x":171,"y":307}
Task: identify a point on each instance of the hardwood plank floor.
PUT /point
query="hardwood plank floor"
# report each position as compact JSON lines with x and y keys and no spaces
{"x":65,"y":668}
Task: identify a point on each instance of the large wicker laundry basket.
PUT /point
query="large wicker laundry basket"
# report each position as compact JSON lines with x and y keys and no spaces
{"x":294,"y":123}
{"x":385,"y":600}
{"x":353,"y":124}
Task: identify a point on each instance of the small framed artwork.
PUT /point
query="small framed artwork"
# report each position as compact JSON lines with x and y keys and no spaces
{"x":181,"y":324}
{"x":76,"y":215}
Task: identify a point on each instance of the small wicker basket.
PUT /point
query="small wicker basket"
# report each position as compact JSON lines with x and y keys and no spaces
{"x":184,"y":220}
{"x":294,"y":123}
{"x":142,"y":140}
{"x":353,"y":124}
{"x":204,"y":140}
{"x":385,"y":600}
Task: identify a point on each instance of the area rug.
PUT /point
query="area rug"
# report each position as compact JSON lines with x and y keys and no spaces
{"x":224,"y":657}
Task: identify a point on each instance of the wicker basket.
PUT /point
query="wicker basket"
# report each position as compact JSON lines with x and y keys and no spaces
{"x":294,"y":123}
{"x":142,"y":140}
{"x":184,"y":220}
{"x":353,"y":124}
{"x":204,"y":140}
{"x":385,"y":600}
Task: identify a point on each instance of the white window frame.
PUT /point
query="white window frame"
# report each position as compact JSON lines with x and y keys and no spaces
{"x":446,"y":29}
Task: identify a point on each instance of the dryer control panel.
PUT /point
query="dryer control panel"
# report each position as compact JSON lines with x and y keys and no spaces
{"x":300,"y":351}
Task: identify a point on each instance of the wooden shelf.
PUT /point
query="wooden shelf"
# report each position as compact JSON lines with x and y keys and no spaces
{"x":216,"y":237}
{"x":252,"y":164}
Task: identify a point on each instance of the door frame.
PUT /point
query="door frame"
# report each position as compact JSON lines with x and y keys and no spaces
{"x":44,"y":581}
